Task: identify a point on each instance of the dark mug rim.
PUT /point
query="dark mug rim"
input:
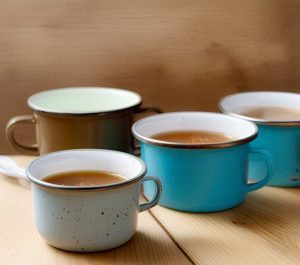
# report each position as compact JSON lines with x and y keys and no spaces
{"x":149,"y":140}
{"x":112,"y":186}
{"x":291,"y":123}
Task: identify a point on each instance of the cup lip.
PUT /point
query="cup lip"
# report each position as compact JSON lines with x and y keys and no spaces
{"x":34,"y":107}
{"x":232,"y":143}
{"x":255,"y":120}
{"x":112,"y":186}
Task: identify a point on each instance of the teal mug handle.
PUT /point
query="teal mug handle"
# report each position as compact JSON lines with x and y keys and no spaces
{"x":269,"y":164}
{"x":156,"y":197}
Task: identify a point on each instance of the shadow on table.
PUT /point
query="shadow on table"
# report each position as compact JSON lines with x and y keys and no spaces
{"x":271,"y":214}
{"x":269,"y":209}
{"x":142,"y":248}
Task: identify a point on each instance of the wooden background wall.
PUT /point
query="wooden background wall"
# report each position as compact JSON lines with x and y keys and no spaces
{"x":179,"y":54}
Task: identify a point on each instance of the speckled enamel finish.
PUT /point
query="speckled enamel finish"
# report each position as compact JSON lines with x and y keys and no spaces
{"x":86,"y":220}
{"x":92,"y":218}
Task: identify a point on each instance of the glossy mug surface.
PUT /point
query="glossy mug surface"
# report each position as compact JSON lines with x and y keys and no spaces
{"x":199,"y":177}
{"x":280,"y":137}
{"x":88,"y":218}
{"x":82,"y":117}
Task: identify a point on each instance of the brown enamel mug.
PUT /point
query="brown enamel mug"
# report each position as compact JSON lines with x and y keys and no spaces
{"x":80,"y":117}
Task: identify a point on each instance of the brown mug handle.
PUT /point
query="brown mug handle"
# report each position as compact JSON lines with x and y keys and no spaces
{"x":137,"y":147}
{"x":149,"y":109}
{"x":30,"y":149}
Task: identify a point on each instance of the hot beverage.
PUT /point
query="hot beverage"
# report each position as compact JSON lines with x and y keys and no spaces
{"x":192,"y":137}
{"x":84,"y":178}
{"x":273,"y":113}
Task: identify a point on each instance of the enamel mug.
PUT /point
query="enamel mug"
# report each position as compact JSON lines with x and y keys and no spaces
{"x":280,"y":137}
{"x":200,"y":177}
{"x":88,"y":218}
{"x":79,"y":117}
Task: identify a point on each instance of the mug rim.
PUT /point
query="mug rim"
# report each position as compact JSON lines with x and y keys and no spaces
{"x":149,"y":140}
{"x":111,"y":186}
{"x":34,"y":107}
{"x":292,"y":123}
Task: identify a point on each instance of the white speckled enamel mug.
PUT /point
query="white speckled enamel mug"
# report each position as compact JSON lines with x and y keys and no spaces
{"x":88,"y":218}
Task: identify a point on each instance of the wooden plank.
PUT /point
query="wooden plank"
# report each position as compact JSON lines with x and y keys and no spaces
{"x":179,"y":55}
{"x":20,"y":243}
{"x":263,"y":230}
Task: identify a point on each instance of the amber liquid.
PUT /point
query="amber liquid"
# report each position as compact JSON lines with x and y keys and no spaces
{"x":273,"y":114}
{"x":192,"y":137}
{"x":84,"y":178}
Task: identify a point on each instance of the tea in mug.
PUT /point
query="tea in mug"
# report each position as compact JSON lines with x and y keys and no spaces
{"x":192,"y":137}
{"x":273,"y":113}
{"x":84,"y":178}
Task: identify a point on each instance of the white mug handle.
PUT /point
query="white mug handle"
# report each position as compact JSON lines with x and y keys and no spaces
{"x":156,"y":197}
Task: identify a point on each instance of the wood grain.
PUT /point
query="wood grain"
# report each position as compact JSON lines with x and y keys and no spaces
{"x":179,"y":55}
{"x":21,"y":244}
{"x":263,"y":230}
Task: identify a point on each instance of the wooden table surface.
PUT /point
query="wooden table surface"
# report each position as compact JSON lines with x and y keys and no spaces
{"x":265,"y":229}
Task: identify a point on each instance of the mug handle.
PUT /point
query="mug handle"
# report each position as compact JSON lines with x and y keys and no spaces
{"x":148,"y":109}
{"x":137,"y":147}
{"x":267,"y":156}
{"x":156,"y":197}
{"x":31,"y":149}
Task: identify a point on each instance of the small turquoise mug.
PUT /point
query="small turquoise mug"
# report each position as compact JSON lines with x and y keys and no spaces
{"x":200,"y":177}
{"x":280,"y":137}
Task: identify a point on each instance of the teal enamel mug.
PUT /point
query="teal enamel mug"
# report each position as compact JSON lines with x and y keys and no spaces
{"x":200,"y":177}
{"x":277,"y":115}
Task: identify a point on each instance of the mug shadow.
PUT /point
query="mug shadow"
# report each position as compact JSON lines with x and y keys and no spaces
{"x":141,"y":247}
{"x":262,"y":207}
{"x":273,"y":214}
{"x":270,"y":216}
